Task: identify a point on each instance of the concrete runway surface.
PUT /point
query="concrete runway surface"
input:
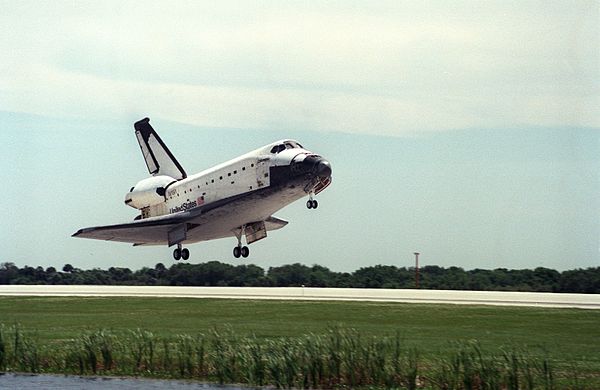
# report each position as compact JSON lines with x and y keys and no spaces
{"x":499,"y":298}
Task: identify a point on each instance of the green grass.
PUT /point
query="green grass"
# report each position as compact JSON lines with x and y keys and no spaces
{"x":568,"y":335}
{"x":304,"y":344}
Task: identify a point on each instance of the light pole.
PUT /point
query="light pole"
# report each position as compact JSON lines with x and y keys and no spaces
{"x":417,"y":269}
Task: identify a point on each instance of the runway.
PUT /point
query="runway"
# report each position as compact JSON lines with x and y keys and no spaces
{"x":498,"y":298}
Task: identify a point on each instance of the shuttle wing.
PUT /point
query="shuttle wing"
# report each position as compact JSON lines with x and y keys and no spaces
{"x":155,"y":231}
{"x":151,"y":231}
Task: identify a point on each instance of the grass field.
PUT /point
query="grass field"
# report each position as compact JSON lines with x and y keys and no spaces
{"x":568,"y":337}
{"x":569,"y":334}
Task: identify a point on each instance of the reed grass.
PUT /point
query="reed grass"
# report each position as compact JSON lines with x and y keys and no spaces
{"x":3,"y":361}
{"x":339,"y":358}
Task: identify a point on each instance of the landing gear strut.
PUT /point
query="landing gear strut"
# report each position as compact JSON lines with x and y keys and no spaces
{"x":240,"y":250}
{"x":181,"y":253}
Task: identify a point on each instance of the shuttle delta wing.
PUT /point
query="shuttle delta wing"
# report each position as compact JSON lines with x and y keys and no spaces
{"x":158,"y":157}
{"x":151,"y":231}
{"x":155,"y":232}
{"x":202,"y":223}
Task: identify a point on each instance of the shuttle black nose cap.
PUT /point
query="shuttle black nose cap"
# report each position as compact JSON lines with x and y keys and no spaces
{"x":324,"y":169}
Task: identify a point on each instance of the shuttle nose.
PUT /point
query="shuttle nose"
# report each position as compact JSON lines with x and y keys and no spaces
{"x":324,"y":169}
{"x":313,"y":165}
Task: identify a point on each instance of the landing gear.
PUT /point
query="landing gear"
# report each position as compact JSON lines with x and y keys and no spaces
{"x":311,"y":203}
{"x":242,"y":251}
{"x":181,"y":253}
{"x":239,"y":250}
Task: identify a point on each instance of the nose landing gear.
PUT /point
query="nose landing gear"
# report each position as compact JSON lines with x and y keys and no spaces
{"x":181,"y":253}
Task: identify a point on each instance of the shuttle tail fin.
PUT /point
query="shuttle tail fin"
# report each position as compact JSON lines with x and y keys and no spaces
{"x":158,"y":157}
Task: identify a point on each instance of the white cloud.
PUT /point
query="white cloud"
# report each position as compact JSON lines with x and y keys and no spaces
{"x":391,"y":68}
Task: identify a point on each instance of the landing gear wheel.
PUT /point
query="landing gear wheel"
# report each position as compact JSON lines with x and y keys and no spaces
{"x":245,"y":251}
{"x":185,"y":254}
{"x":309,"y":204}
{"x":315,"y":204}
{"x":177,"y":254}
{"x":237,"y":252}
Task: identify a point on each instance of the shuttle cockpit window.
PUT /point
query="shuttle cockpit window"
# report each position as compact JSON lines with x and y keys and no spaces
{"x":292,"y":145}
{"x":278,"y":148}
{"x":286,"y":145}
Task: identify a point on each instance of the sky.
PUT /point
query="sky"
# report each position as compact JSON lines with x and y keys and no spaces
{"x":467,"y":131}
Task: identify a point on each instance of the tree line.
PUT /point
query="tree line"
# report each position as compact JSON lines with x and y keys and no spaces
{"x":215,"y":273}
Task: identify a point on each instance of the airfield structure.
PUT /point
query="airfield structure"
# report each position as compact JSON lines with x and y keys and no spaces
{"x":417,"y":269}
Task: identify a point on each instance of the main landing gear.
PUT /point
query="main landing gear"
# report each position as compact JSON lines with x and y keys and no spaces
{"x":240,"y":250}
{"x":181,"y":253}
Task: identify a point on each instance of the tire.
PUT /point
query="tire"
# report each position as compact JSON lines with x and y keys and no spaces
{"x":315,"y":204}
{"x":245,"y":251}
{"x":185,"y":253}
{"x":309,"y":204}
{"x":177,"y":254}
{"x":237,"y":252}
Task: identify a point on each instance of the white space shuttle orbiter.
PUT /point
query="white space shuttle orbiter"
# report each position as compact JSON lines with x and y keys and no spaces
{"x":234,"y":199}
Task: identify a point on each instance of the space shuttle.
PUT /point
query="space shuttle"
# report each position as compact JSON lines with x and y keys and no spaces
{"x":234,"y":199}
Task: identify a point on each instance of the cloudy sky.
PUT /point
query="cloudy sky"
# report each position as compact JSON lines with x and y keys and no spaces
{"x":466,"y":130}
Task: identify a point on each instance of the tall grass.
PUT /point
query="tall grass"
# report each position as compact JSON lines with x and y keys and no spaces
{"x":3,"y":361}
{"x":339,"y":358}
